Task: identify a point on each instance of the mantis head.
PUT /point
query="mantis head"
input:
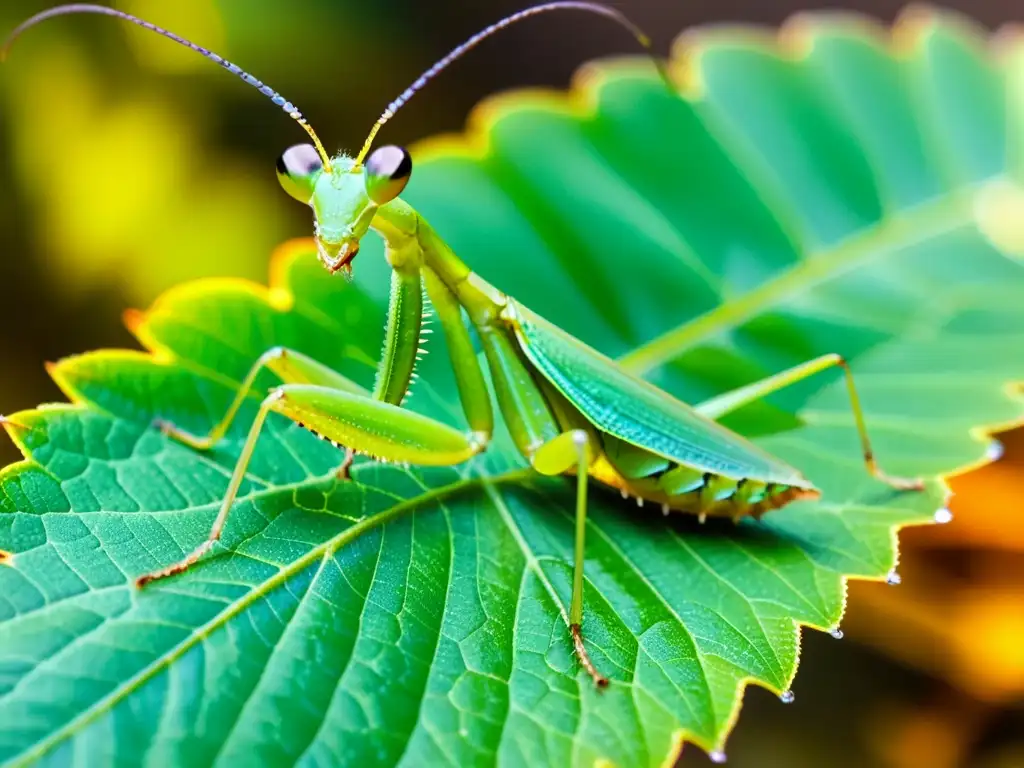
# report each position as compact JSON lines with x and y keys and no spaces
{"x":344,"y":196}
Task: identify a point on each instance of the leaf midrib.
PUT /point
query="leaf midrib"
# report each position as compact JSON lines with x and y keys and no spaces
{"x":930,"y":219}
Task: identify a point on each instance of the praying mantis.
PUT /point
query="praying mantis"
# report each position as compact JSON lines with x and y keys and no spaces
{"x":569,"y":410}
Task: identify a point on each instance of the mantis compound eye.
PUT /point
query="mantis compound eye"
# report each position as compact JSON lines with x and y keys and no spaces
{"x":387,"y":172}
{"x":298,"y":169}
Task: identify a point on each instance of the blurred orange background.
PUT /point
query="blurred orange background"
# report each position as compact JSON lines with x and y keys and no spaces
{"x":129,"y":164}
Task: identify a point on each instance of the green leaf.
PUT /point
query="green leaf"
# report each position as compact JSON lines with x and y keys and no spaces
{"x":818,"y":194}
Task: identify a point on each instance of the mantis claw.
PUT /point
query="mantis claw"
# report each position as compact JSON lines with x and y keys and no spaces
{"x":907,"y":484}
{"x":169,"y":429}
{"x":898,"y":483}
{"x":176,"y":568}
{"x":581,"y":652}
{"x":344,"y":471}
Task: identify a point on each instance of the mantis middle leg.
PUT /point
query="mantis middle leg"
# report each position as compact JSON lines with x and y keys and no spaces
{"x":725,"y":403}
{"x":568,"y":452}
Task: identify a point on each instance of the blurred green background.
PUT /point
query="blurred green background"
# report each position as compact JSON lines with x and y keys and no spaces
{"x":129,"y":164}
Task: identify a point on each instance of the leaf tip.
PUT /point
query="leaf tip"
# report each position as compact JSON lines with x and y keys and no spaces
{"x":7,"y":423}
{"x":133,"y":319}
{"x":910,"y":26}
{"x":685,"y":69}
{"x":17,"y":429}
{"x":56,"y":370}
{"x":797,"y":36}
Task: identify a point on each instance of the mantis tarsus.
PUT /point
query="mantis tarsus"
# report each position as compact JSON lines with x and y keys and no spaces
{"x":569,"y":409}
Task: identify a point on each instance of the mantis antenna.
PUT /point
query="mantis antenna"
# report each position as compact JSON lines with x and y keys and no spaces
{"x":479,"y":37}
{"x":266,"y":90}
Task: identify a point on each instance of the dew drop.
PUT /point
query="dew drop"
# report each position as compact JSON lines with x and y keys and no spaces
{"x":943,"y":516}
{"x":665,"y":510}
{"x":893,"y":578}
{"x":786,"y":697}
{"x":623,"y":492}
{"x":718,"y":756}
{"x":837,"y":633}
{"x":702,"y":518}
{"x":994,"y":452}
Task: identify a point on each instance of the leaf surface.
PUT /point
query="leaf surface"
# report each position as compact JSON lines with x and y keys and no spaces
{"x":815,"y":193}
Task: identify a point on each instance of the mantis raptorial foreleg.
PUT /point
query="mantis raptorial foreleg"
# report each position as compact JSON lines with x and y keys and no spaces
{"x":339,"y":410}
{"x":725,"y":403}
{"x":290,"y":367}
{"x":382,"y":430}
{"x":394,"y":373}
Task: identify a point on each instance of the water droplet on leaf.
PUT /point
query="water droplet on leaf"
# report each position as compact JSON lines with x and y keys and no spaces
{"x":893,"y":578}
{"x":786,"y":697}
{"x":837,"y":633}
{"x":718,"y":756}
{"x":943,"y":516}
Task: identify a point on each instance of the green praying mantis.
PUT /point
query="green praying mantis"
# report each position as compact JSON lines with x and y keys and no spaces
{"x":568,"y":409}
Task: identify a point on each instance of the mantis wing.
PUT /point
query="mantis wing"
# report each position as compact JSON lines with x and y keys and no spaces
{"x":631,"y":409}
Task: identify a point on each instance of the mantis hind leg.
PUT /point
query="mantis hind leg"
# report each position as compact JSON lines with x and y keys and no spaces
{"x":568,"y":451}
{"x":370,"y":426}
{"x":718,"y":406}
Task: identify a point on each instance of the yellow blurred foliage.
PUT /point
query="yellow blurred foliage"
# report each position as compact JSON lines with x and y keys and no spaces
{"x":200,"y":17}
{"x":126,"y":192}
